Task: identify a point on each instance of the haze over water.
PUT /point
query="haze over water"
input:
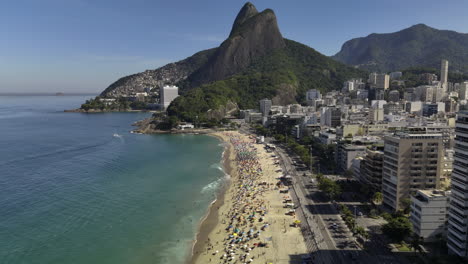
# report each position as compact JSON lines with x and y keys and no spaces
{"x":79,"y":188}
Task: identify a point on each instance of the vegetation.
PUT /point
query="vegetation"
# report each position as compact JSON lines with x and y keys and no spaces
{"x":348,"y":217}
{"x":121,"y":104}
{"x":405,"y":204}
{"x":287,"y":73}
{"x":397,"y":228}
{"x":377,"y":198}
{"x":359,"y":230}
{"x":329,"y":187}
{"x":325,"y":154}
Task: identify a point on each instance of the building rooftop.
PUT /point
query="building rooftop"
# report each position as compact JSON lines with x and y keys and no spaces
{"x":427,"y":195}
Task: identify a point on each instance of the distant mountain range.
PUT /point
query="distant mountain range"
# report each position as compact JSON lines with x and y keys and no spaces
{"x":419,"y":45}
{"x":254,"y":62}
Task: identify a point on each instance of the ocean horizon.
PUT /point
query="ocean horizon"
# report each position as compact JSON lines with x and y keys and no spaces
{"x":80,"y":188}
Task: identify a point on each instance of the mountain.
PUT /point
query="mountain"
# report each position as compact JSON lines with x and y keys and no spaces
{"x":419,"y":45}
{"x":253,"y":35}
{"x":168,"y":74}
{"x":254,"y":62}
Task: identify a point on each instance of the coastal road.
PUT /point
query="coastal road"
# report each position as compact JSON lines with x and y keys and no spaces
{"x":335,"y":245}
{"x":327,"y":244}
{"x":325,"y":250}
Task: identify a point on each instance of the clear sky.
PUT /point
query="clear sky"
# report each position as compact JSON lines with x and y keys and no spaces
{"x":85,"y":45}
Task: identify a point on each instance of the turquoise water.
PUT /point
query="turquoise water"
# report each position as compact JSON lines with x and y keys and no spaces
{"x":79,"y":188}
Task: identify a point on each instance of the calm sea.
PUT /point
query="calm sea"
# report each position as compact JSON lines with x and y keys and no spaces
{"x":79,"y":188}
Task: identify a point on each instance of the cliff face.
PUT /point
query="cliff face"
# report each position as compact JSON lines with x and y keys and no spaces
{"x":253,"y":35}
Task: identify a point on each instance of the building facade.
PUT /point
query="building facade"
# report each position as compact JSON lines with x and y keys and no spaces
{"x":265,"y":106}
{"x":167,"y":94}
{"x":411,"y":162}
{"x":428,"y":215}
{"x":457,"y":238}
{"x":372,"y":167}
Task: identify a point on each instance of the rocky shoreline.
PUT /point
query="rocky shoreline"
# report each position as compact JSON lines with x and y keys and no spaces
{"x":79,"y":110}
{"x":146,"y":126}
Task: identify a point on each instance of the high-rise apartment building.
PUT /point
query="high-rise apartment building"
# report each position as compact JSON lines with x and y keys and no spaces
{"x":463,"y":94}
{"x":444,"y":72}
{"x":382,"y":81}
{"x":457,"y":238}
{"x":372,"y":167}
{"x":265,"y":106}
{"x":167,"y":94}
{"x":411,"y":162}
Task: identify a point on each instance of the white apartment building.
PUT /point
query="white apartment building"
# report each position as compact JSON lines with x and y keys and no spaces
{"x":428,"y":215}
{"x":167,"y":94}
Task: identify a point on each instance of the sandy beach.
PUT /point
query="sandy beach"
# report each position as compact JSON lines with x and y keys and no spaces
{"x":251,"y":221}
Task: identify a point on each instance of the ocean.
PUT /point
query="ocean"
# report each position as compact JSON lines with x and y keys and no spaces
{"x":80,"y":188}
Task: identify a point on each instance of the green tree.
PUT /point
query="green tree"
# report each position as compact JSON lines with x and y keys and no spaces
{"x":405,"y":204}
{"x":397,"y":228}
{"x":377,"y":198}
{"x":329,"y":187}
{"x":279,"y":137}
{"x":362,"y":232}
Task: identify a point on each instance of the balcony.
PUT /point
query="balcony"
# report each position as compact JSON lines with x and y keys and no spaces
{"x":453,"y":246}
{"x":457,"y":216}
{"x":454,"y":232}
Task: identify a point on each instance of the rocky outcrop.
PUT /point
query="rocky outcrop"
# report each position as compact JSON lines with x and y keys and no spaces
{"x":230,"y":109}
{"x":253,"y":35}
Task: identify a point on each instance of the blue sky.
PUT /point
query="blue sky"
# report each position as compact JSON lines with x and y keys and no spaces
{"x":85,"y":45}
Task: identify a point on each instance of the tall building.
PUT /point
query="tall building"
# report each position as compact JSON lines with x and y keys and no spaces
{"x":372,"y":78}
{"x":372,"y":167}
{"x":330,"y":116}
{"x":463,"y":94}
{"x":167,"y":94}
{"x":348,"y":86}
{"x":376,"y":114}
{"x":382,"y":81}
{"x":411,"y":162}
{"x":444,"y":73}
{"x":457,"y":238}
{"x":265,"y":106}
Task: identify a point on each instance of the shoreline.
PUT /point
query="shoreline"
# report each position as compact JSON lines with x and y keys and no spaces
{"x":252,"y":220}
{"x":211,"y":219}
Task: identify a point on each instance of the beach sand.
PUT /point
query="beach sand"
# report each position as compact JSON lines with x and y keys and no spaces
{"x":285,"y":243}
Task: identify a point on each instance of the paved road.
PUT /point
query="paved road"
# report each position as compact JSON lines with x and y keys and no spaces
{"x":326,"y":250}
{"x":327,"y":245}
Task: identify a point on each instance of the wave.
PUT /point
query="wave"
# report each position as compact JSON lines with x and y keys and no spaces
{"x":212,"y":186}
{"x":217,"y":166}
